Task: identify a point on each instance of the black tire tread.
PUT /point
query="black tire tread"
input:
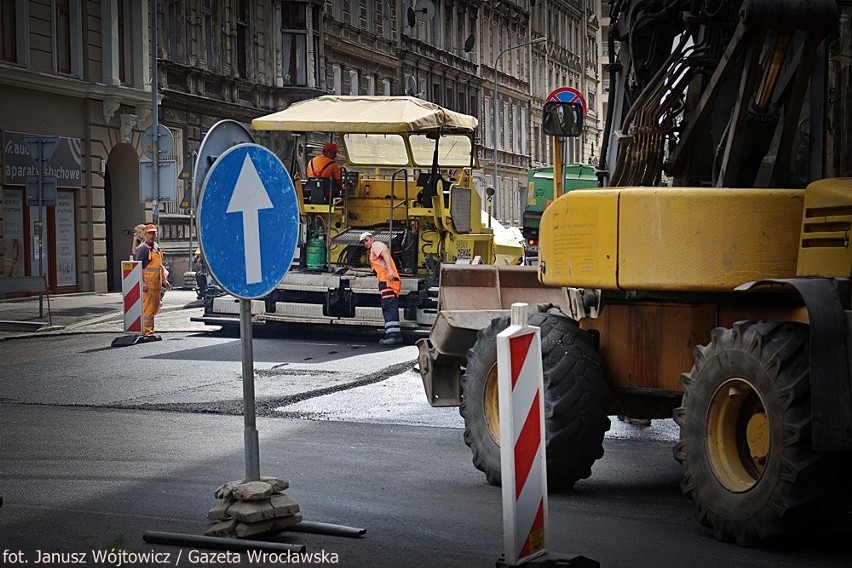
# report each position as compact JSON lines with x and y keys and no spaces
{"x":575,"y":401}
{"x":799,"y":498}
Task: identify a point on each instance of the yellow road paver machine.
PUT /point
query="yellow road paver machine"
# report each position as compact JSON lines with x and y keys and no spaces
{"x":408,"y":174}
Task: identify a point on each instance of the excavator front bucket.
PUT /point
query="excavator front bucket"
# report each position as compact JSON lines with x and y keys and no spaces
{"x":469,"y":297}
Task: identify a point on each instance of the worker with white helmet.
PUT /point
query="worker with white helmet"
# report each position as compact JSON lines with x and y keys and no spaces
{"x":389,"y":286}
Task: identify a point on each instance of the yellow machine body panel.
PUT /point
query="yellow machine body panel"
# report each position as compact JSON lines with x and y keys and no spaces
{"x":579,"y":240}
{"x":670,"y":239}
{"x":826,"y":228}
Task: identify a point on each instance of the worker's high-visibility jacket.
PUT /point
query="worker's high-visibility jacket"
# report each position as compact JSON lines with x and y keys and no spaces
{"x":388,"y":288}
{"x":324,"y":167}
{"x":152,"y":276}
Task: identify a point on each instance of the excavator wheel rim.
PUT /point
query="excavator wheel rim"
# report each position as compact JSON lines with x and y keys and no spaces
{"x":491,"y":404}
{"x":738,"y":435}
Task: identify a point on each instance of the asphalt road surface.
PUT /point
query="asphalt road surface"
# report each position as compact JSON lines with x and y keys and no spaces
{"x":99,"y":445}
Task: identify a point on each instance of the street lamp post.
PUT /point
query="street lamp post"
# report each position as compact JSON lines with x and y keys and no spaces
{"x":494,"y":102}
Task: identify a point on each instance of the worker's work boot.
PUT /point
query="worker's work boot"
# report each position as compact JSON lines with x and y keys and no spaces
{"x":391,"y":340}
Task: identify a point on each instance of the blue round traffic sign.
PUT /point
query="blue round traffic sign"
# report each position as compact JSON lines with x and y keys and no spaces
{"x":248,"y":220}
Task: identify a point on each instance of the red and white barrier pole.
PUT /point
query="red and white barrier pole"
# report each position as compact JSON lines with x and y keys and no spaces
{"x":523,"y":463}
{"x":131,"y":290}
{"x":522,"y":454}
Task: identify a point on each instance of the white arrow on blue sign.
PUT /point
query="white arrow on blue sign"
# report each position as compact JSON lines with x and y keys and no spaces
{"x":248,"y":220}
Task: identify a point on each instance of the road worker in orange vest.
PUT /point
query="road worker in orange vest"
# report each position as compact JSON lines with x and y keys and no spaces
{"x":153,"y":278}
{"x":324,"y":166}
{"x":389,"y":286}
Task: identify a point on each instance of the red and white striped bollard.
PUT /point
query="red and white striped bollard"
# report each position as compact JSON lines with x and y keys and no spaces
{"x":131,"y":290}
{"x":522,"y":453}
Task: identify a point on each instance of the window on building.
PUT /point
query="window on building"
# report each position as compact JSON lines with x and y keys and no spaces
{"x":433,"y":30}
{"x":63,"y":36}
{"x":67,"y":37}
{"x":448,"y":29}
{"x":314,"y":57}
{"x":460,"y":30}
{"x":177,"y":154}
{"x":507,"y":120}
{"x":8,"y":31}
{"x":515,"y":202}
{"x":536,"y":145}
{"x":488,"y":122}
{"x":243,"y":37}
{"x":337,"y":79}
{"x":294,"y":33}
{"x":371,"y":16}
{"x":387,"y":21}
{"x":173,"y":31}
{"x":210,"y":34}
{"x":355,"y":12}
{"x":354,"y":82}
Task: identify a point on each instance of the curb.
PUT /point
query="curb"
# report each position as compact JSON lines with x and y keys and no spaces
{"x":41,"y":329}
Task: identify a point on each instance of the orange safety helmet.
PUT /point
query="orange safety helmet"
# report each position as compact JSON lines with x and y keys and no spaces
{"x":330,"y":147}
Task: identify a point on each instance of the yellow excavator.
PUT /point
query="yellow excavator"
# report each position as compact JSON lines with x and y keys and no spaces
{"x":722,"y":300}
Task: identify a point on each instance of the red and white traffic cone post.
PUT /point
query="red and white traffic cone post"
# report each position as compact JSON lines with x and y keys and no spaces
{"x":131,"y":291}
{"x":522,"y":448}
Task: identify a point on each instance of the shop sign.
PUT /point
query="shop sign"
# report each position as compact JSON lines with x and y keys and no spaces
{"x":65,"y":164}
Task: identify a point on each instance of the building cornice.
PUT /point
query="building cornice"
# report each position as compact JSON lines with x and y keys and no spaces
{"x":72,"y":87}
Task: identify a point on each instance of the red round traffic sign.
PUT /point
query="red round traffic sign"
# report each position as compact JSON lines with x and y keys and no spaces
{"x":567,"y":95}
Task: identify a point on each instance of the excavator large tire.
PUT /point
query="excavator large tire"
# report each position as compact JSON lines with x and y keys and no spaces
{"x":575,"y":399}
{"x":745,"y":437}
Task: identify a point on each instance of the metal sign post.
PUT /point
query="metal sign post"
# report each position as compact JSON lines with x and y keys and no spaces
{"x":252,"y":446}
{"x":155,"y":114}
{"x":41,"y":150}
{"x":248,"y":222}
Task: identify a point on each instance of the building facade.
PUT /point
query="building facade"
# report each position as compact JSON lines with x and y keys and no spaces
{"x":76,"y":74}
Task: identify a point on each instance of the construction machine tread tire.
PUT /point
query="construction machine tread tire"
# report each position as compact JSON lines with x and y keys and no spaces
{"x":745,"y":437}
{"x":575,"y":399}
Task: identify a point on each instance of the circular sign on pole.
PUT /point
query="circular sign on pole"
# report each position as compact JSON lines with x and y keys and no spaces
{"x":248,"y":220}
{"x":165,"y":144}
{"x":567,"y":95}
{"x":221,"y":136}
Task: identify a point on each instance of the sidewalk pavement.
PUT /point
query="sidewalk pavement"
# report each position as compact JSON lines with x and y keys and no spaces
{"x":89,"y":312}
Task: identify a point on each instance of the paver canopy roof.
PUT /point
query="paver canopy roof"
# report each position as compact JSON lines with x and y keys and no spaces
{"x":365,"y":114}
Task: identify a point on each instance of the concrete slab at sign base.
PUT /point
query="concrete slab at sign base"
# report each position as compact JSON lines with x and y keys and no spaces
{"x":127,"y":340}
{"x":553,"y":560}
{"x":252,"y":508}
